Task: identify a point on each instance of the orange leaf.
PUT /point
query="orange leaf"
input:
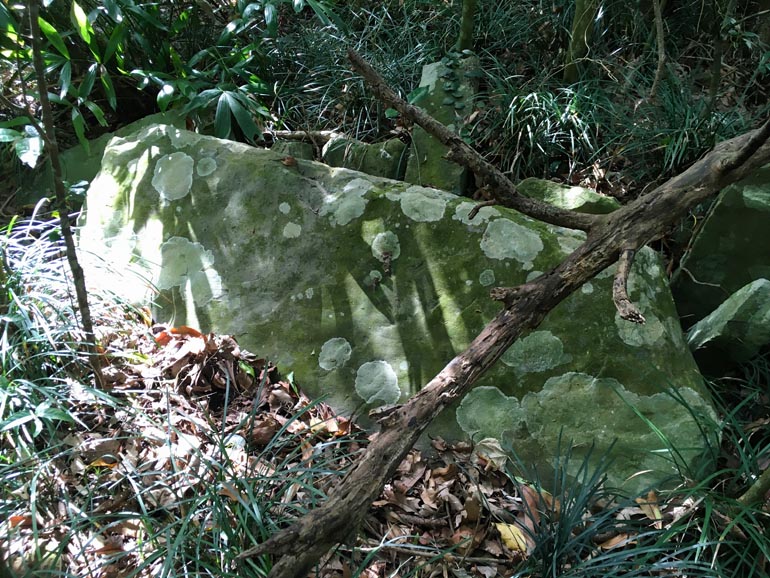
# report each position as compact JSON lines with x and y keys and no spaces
{"x":185,"y":330}
{"x":23,"y":521}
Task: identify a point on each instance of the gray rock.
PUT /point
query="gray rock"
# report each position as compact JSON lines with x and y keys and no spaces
{"x":730,"y":251}
{"x":296,"y":149}
{"x":739,"y":327}
{"x":366,"y":287}
{"x":387,"y":159}
{"x":449,"y":87}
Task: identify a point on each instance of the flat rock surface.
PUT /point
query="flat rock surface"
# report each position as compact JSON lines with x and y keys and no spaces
{"x":365,"y":288}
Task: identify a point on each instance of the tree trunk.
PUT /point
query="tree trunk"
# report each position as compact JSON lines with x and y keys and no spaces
{"x":465,"y":41}
{"x":300,"y":546}
{"x":580,"y":38}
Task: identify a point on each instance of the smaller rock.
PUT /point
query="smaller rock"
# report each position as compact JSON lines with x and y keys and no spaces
{"x":298,"y":150}
{"x":449,"y":87}
{"x":577,"y":199}
{"x":387,"y":159}
{"x":739,"y":327}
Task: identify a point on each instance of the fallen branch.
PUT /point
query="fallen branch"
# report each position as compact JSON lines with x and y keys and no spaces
{"x":301,"y":545}
{"x":501,"y":188}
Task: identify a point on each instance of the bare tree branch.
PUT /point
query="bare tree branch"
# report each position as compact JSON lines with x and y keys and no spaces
{"x":502,"y":189}
{"x":623,"y":304}
{"x":300,"y":546}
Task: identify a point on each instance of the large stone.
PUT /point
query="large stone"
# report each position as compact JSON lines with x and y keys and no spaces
{"x":729,"y":252}
{"x":366,"y":287}
{"x":386,"y":159}
{"x":737,"y":330}
{"x":447,"y":90}
{"x":578,"y":199}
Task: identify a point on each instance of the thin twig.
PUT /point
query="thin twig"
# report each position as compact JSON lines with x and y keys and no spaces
{"x":48,"y":133}
{"x":623,"y":304}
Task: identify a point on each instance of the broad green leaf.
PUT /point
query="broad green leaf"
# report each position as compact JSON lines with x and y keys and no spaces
{"x":79,"y":124}
{"x":7,"y":21}
{"x":391,"y":113}
{"x":18,"y":121}
{"x":80,"y":20}
{"x":109,"y":88}
{"x":165,"y":96}
{"x":88,"y":82}
{"x":222,"y":118}
{"x":17,"y":419}
{"x":65,"y":79}
{"x":242,"y":117}
{"x":53,"y":37}
{"x":271,"y":19}
{"x":97,"y":111}
{"x":116,"y":41}
{"x":29,"y":150}
{"x":326,"y":15}
{"x":9,"y":135}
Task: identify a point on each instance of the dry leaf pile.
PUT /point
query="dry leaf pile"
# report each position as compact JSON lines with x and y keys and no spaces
{"x":202,"y":421}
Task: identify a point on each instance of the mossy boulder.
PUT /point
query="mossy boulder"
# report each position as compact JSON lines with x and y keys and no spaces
{"x":366,"y":287}
{"x":730,"y":250}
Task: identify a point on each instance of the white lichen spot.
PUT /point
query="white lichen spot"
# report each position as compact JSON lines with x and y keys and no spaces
{"x":376,"y":381}
{"x":650,"y":333}
{"x":533,"y":275}
{"x":373,"y":278}
{"x":587,"y":288}
{"x":468,"y":282}
{"x":423,"y":205}
{"x":335,"y":353}
{"x":186,"y":263}
{"x":292,"y":230}
{"x":348,"y":204}
{"x":463,"y":210}
{"x":309,"y":293}
{"x":206,"y":166}
{"x":385,"y":246}
{"x":539,"y":351}
{"x":504,"y":239}
{"x":487,"y":277}
{"x":284,"y":208}
{"x":404,"y":365}
{"x":173,"y":176}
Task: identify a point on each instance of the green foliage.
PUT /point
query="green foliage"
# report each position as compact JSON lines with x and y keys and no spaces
{"x":207,"y":61}
{"x":318,"y":91}
{"x":40,"y":341}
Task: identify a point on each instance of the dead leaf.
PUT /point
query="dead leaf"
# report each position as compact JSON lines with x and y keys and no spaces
{"x":512,"y":537}
{"x":614,"y":542}
{"x":649,"y":507}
